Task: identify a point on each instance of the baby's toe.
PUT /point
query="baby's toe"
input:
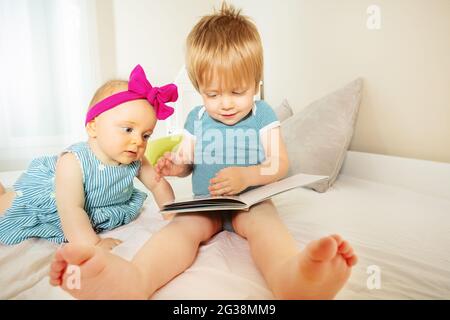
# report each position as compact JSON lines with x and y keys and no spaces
{"x":345,"y":248}
{"x":338,"y":239}
{"x":351,"y":261}
{"x":58,"y":266}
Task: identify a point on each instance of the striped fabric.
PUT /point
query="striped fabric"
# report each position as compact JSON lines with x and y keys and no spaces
{"x":110,"y":198}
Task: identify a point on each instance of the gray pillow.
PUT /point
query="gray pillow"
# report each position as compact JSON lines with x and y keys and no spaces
{"x":317,"y":137}
{"x":283,"y":111}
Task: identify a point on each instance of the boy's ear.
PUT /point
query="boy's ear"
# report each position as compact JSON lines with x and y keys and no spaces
{"x":91,"y":128}
{"x":258,"y":87}
{"x":257,"y":90}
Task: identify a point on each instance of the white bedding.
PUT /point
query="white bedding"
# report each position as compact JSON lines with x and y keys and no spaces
{"x":404,"y":233}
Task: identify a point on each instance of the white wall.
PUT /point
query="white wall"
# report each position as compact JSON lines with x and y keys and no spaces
{"x":315,"y":46}
{"x":311,"y":48}
{"x":153,"y":33}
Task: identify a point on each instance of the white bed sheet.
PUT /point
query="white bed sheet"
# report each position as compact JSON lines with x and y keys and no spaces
{"x":404,"y":233}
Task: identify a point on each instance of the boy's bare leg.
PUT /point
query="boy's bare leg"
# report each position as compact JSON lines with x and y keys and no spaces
{"x":2,"y":189}
{"x":165,"y":255}
{"x":319,"y":271}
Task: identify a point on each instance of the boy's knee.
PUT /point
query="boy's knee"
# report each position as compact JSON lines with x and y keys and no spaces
{"x":241,"y":222}
{"x":246,"y":221}
{"x":202,"y":225}
{"x":266,"y":206}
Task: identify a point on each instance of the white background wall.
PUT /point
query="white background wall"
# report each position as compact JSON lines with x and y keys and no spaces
{"x":149,"y":32}
{"x":313,"y":47}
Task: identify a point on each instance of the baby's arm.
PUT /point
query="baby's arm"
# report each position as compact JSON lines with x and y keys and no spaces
{"x":177,"y":163}
{"x":276,"y":163}
{"x":161,"y":189}
{"x":70,"y":201}
{"x":232,"y":180}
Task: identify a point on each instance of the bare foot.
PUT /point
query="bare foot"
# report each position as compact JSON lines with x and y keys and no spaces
{"x":102,"y":275}
{"x":318,"y":272}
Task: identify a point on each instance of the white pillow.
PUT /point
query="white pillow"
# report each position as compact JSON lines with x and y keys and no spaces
{"x":317,"y":137}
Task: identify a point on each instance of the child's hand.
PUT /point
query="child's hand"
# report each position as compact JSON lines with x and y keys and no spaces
{"x":228,"y":181}
{"x":108,"y":243}
{"x":168,"y":165}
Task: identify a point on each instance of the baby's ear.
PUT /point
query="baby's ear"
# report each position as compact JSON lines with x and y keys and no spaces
{"x":91,"y":129}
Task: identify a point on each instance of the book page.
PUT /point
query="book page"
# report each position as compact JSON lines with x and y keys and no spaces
{"x":206,"y":200}
{"x":261,"y":193}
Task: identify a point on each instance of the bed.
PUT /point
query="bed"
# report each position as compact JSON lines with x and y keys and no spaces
{"x":395,"y":212}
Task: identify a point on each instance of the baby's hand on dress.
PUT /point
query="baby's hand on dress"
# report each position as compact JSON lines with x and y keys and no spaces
{"x":228,"y":181}
{"x":167,"y":165}
{"x":108,"y":243}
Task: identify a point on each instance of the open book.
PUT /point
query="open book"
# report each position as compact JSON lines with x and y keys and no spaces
{"x":243,"y":201}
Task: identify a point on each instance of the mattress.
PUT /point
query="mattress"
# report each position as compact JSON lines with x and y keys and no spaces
{"x":402,"y":234}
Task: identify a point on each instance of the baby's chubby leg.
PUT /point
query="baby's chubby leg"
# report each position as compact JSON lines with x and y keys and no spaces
{"x":6,"y":199}
{"x":165,"y":255}
{"x":319,"y":271}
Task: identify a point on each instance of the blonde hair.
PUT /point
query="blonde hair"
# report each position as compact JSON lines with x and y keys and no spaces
{"x":225,"y":45}
{"x":108,"y":89}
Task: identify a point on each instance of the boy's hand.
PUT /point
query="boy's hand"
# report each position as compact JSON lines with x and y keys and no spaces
{"x":228,"y":181}
{"x":108,"y":243}
{"x":168,"y":165}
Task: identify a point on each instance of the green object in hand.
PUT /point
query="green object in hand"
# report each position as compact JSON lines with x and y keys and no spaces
{"x":156,"y":148}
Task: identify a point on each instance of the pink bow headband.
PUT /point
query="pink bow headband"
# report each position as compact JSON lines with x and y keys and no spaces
{"x":139,"y":88}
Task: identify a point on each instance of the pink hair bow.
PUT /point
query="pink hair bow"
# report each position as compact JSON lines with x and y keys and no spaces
{"x":139,"y":88}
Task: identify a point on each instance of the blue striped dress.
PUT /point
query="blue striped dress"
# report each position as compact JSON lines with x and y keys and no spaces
{"x":110,"y":198}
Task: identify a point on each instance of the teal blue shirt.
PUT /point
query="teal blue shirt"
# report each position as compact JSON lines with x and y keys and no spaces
{"x":218,"y":146}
